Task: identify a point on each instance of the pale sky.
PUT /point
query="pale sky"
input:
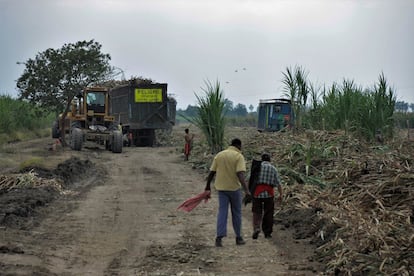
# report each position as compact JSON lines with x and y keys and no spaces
{"x":185,"y":42}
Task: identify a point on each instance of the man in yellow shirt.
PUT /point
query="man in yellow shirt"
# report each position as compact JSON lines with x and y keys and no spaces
{"x":229,"y":169}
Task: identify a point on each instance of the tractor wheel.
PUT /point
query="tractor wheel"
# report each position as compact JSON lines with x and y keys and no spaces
{"x":117,"y":141}
{"x":55,"y":130}
{"x":76,"y":138}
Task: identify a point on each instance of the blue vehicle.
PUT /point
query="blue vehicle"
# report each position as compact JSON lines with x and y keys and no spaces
{"x":275,"y":115}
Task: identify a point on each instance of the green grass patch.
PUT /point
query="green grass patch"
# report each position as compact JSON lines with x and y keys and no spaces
{"x":20,"y":135}
{"x":21,"y":121}
{"x":32,"y":162}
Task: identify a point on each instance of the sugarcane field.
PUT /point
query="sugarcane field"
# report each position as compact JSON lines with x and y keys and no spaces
{"x":347,"y":208}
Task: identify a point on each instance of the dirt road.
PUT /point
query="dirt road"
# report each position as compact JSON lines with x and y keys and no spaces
{"x":127,"y":224}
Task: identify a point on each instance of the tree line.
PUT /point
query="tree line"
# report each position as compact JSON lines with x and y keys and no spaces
{"x":402,"y":106}
{"x":230,"y":110}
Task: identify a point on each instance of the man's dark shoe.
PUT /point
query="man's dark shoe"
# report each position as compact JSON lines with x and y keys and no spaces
{"x":219,"y":242}
{"x":255,"y":234}
{"x":240,"y":241}
{"x":268,"y":236}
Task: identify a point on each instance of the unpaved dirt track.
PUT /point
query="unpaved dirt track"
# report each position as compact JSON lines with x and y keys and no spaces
{"x":128,"y":225}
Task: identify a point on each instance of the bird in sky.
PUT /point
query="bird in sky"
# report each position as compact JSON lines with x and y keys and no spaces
{"x":237,"y":70}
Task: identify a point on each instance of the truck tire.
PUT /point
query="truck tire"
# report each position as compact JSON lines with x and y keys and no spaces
{"x":117,"y":141}
{"x":76,"y":138}
{"x":55,"y":130}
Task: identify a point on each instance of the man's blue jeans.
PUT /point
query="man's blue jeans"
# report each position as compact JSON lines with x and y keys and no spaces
{"x":234,"y":199}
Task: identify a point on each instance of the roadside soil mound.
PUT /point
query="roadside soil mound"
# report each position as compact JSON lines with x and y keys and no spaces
{"x":23,"y":193}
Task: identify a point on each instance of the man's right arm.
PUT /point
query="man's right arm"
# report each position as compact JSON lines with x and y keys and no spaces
{"x":279,"y":187}
{"x":240,"y":176}
{"x":209,"y":179}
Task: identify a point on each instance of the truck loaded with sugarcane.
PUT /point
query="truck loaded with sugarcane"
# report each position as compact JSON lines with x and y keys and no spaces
{"x":129,"y":112}
{"x":143,"y":108}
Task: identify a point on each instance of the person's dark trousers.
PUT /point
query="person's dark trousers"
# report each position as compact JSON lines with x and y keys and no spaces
{"x":262,"y":209}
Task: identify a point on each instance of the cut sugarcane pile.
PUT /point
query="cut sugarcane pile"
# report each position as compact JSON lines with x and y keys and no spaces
{"x":27,"y":180}
{"x":359,"y":228}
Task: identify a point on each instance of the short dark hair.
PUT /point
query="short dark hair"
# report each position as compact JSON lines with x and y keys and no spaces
{"x":265,"y":156}
{"x":186,"y":130}
{"x":236,"y":142}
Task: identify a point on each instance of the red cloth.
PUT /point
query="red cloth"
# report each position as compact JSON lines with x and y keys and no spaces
{"x":192,"y":202}
{"x":187,"y":148}
{"x":264,"y":187}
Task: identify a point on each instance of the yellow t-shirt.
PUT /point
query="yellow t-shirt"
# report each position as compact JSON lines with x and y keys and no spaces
{"x":226,"y":164}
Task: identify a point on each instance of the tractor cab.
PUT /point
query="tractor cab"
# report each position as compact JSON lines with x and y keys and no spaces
{"x":91,"y":108}
{"x":96,"y":101}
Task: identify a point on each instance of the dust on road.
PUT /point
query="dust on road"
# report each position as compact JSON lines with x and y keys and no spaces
{"x":121,"y":219}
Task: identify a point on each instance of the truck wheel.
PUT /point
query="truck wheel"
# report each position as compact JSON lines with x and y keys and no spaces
{"x":55,"y":130}
{"x":76,"y":139}
{"x":117,"y":141}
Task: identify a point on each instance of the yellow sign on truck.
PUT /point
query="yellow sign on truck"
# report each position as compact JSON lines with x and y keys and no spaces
{"x":148,"y":95}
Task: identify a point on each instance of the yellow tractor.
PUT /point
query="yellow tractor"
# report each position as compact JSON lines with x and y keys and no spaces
{"x":89,"y":120}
